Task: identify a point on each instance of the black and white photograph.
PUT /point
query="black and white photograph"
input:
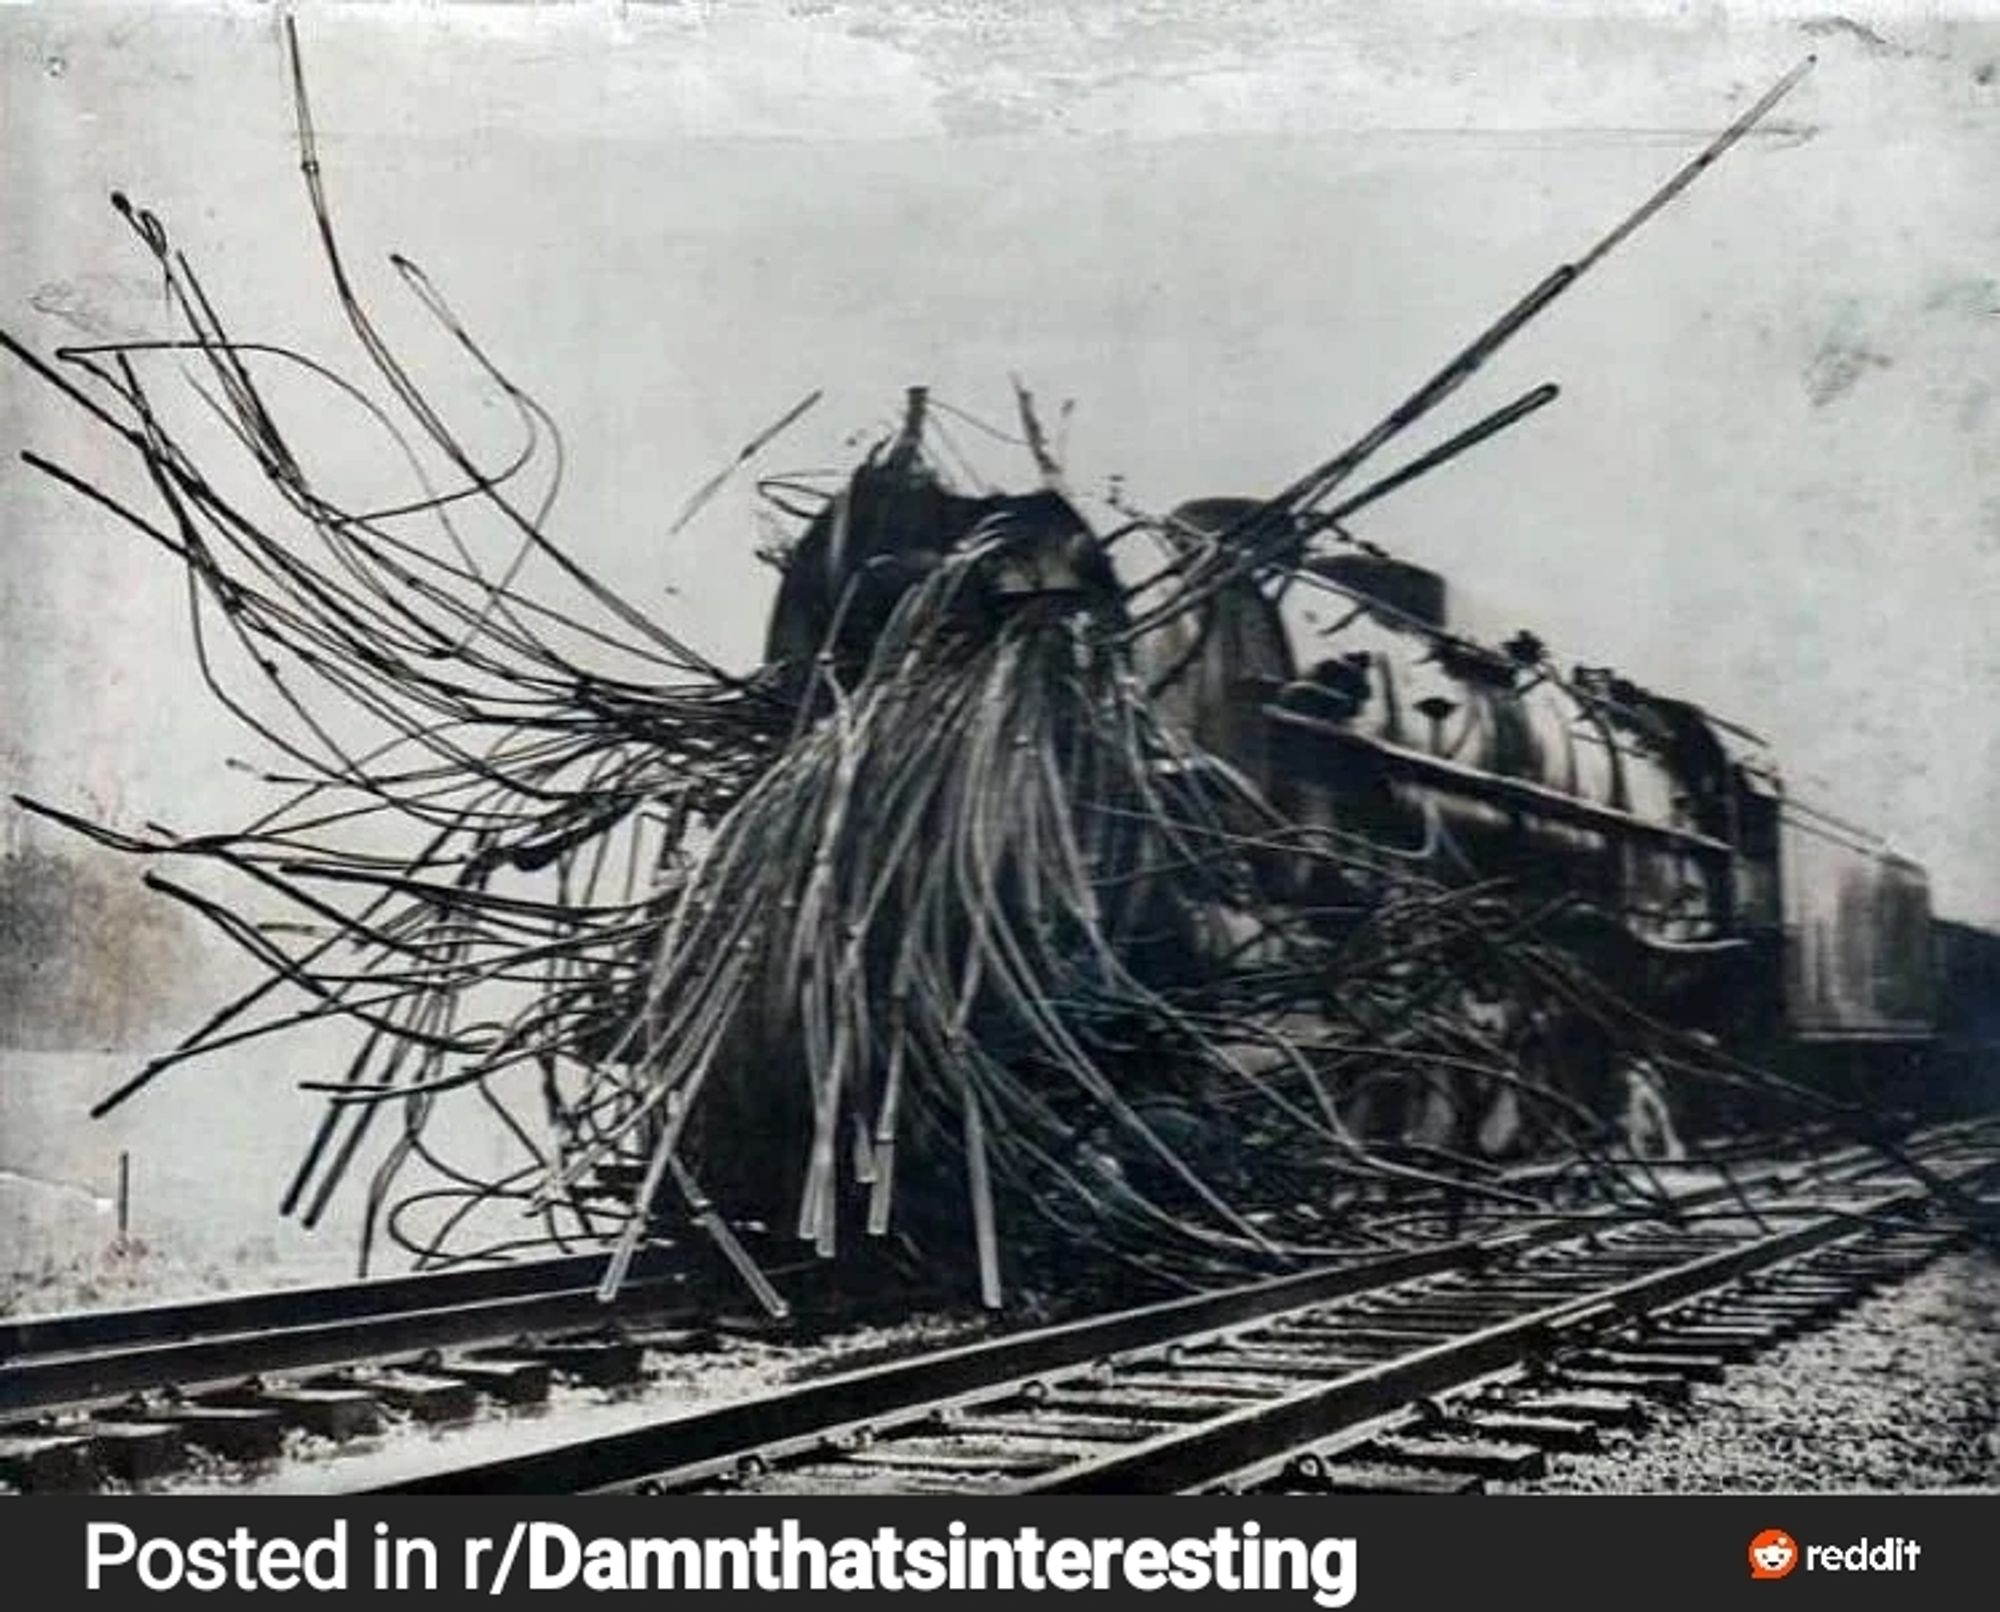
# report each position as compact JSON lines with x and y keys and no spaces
{"x":972,"y":748}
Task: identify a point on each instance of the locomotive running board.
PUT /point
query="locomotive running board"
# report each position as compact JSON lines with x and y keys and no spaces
{"x":1496,"y":789}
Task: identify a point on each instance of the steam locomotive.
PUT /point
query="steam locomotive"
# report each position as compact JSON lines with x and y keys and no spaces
{"x":1695,"y":883}
{"x":1727,"y":903}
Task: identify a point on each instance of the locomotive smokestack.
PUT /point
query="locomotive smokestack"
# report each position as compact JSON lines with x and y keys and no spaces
{"x":905,"y":452}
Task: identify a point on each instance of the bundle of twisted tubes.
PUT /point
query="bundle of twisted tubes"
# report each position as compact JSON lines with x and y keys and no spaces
{"x":964,"y":948}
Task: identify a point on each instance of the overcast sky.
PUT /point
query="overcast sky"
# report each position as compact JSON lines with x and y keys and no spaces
{"x":1233,"y":233}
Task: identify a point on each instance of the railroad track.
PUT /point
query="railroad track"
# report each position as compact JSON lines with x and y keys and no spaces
{"x":51,"y":1360}
{"x":1425,"y":1371}
{"x":119,"y":1395}
{"x":125,"y":1397}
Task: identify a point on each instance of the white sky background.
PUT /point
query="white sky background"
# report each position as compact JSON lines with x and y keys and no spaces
{"x":1235,"y":234}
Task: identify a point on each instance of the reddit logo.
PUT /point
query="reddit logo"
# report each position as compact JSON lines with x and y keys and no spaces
{"x":1773,"y":1554}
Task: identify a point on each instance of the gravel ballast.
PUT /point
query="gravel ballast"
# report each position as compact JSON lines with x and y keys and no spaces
{"x":1900,"y":1395}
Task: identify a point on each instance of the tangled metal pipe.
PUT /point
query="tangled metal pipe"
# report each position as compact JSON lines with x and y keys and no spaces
{"x":940,"y":933}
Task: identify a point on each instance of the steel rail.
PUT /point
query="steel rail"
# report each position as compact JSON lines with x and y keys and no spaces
{"x":64,"y":1381}
{"x":1217,"y":1450}
{"x":74,"y":1359}
{"x":680,"y":1450}
{"x":76,"y":1331}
